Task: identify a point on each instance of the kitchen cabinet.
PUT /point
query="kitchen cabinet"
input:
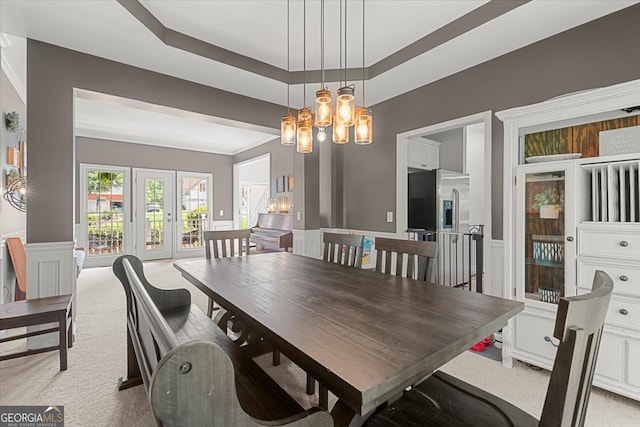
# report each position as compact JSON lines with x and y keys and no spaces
{"x":423,"y":154}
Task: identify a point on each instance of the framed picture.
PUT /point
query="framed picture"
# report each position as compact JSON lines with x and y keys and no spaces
{"x":290,"y":183}
{"x":280,"y":184}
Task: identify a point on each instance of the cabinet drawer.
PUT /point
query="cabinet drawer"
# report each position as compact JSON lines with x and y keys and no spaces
{"x":607,"y":242}
{"x":626,"y":278}
{"x":624,"y":312}
{"x":530,"y":333}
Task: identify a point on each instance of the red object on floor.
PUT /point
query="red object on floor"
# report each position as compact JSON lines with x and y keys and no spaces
{"x":477,"y":347}
{"x":486,"y":342}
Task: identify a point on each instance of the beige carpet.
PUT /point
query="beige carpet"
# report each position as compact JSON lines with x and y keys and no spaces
{"x":88,"y":389}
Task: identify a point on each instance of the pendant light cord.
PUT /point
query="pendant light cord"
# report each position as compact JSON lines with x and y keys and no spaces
{"x":322,"y":41}
{"x":288,"y":68}
{"x":363,"y":20}
{"x":340,"y":44}
{"x":346,"y":8}
{"x":304,"y":52}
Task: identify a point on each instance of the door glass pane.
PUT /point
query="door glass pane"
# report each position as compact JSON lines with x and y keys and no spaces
{"x":194,"y":210}
{"x":154,"y":215}
{"x":105,"y":215}
{"x":544,"y":236}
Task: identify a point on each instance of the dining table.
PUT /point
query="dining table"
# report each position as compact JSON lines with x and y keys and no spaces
{"x":364,"y":335}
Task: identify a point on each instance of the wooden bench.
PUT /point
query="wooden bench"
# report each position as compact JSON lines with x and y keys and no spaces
{"x":194,"y":374}
{"x":39,"y":311}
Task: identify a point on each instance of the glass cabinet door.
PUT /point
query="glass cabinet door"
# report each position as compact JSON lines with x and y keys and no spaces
{"x":545,"y":244}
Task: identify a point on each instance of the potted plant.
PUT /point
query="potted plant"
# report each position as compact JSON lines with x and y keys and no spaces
{"x":549,"y":202}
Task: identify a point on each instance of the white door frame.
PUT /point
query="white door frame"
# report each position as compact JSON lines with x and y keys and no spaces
{"x":402,"y":184}
{"x":127,"y":235}
{"x":169,"y":218}
{"x":236,"y":185}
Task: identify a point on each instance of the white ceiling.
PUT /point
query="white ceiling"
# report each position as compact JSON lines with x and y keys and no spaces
{"x":258,"y":29}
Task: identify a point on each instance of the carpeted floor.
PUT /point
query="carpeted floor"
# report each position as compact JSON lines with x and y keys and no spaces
{"x":88,"y":389}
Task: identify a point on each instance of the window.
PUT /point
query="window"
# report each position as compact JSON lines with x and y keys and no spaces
{"x":195,"y":207}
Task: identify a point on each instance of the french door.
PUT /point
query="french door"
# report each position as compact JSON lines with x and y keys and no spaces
{"x":154,"y":213}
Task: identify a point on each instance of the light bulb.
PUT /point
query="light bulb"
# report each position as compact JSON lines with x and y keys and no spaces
{"x":323,"y":111}
{"x":288,"y":134}
{"x":322,"y":136}
{"x":345,"y":112}
{"x":363,"y":130}
{"x":340,"y":131}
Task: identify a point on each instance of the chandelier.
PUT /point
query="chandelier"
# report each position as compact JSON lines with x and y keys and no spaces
{"x":345,"y":114}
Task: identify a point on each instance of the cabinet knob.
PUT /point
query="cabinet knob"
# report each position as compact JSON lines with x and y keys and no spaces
{"x":623,"y":278}
{"x":623,"y":311}
{"x":569,"y":238}
{"x":624,"y":243}
{"x":548,"y":339}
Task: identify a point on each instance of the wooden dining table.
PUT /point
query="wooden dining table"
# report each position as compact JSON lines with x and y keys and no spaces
{"x":364,"y":335}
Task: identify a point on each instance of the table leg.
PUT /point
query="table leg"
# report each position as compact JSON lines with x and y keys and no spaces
{"x":276,"y":357}
{"x":62,"y":326}
{"x":311,"y":385}
{"x":323,"y":396}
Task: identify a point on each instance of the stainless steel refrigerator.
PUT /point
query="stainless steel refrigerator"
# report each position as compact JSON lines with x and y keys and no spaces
{"x":439,"y":209}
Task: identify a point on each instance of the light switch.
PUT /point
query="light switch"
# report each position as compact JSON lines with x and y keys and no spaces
{"x":298,"y":216}
{"x":221,"y":212}
{"x":389,"y":216}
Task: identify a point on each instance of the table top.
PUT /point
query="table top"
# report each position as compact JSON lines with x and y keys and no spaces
{"x":364,"y":335}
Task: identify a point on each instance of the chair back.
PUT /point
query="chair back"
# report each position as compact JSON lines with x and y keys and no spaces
{"x":343,"y":249}
{"x":579,"y":325}
{"x":226,"y":243}
{"x":413,"y":257}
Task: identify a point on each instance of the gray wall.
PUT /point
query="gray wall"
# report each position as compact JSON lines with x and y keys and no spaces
{"x":116,"y":153}
{"x":52,"y":74}
{"x":600,"y":53}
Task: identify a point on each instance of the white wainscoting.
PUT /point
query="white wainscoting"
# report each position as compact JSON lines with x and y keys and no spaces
{"x":51,"y":270}
{"x":307,"y":243}
{"x":222,"y":225}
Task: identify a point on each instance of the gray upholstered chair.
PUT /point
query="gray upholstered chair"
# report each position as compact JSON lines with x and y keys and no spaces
{"x":443,"y":400}
{"x":413,"y":257}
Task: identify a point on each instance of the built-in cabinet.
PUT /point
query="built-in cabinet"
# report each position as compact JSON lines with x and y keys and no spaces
{"x":423,"y":154}
{"x":564,"y":219}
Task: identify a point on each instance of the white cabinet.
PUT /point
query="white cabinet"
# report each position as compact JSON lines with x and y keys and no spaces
{"x":598,"y":228}
{"x":423,"y":154}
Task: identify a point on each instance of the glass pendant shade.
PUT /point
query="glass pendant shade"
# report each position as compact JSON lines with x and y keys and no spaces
{"x":340,"y":132}
{"x":323,"y":109}
{"x":363,"y":127}
{"x":288,"y":130}
{"x":305,"y":115}
{"x":345,"y":106}
{"x":305,"y":136}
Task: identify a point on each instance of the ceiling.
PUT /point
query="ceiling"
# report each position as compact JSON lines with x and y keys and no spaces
{"x":241,"y":46}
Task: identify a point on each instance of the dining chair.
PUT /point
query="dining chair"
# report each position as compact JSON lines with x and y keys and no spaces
{"x":223,"y":244}
{"x":443,"y":400}
{"x":343,"y":249}
{"x":413,"y":257}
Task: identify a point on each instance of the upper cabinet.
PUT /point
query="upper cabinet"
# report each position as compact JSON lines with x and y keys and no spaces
{"x":423,"y":154}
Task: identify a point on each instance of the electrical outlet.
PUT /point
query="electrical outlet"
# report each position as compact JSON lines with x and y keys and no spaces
{"x":389,"y":216}
{"x":221,"y":212}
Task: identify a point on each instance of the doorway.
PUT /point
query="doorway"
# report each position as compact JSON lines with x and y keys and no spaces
{"x":154,"y":213}
{"x":252,"y":190}
{"x":475,"y":143}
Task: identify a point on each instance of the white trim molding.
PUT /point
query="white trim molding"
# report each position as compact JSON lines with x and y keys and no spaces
{"x":51,"y":270}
